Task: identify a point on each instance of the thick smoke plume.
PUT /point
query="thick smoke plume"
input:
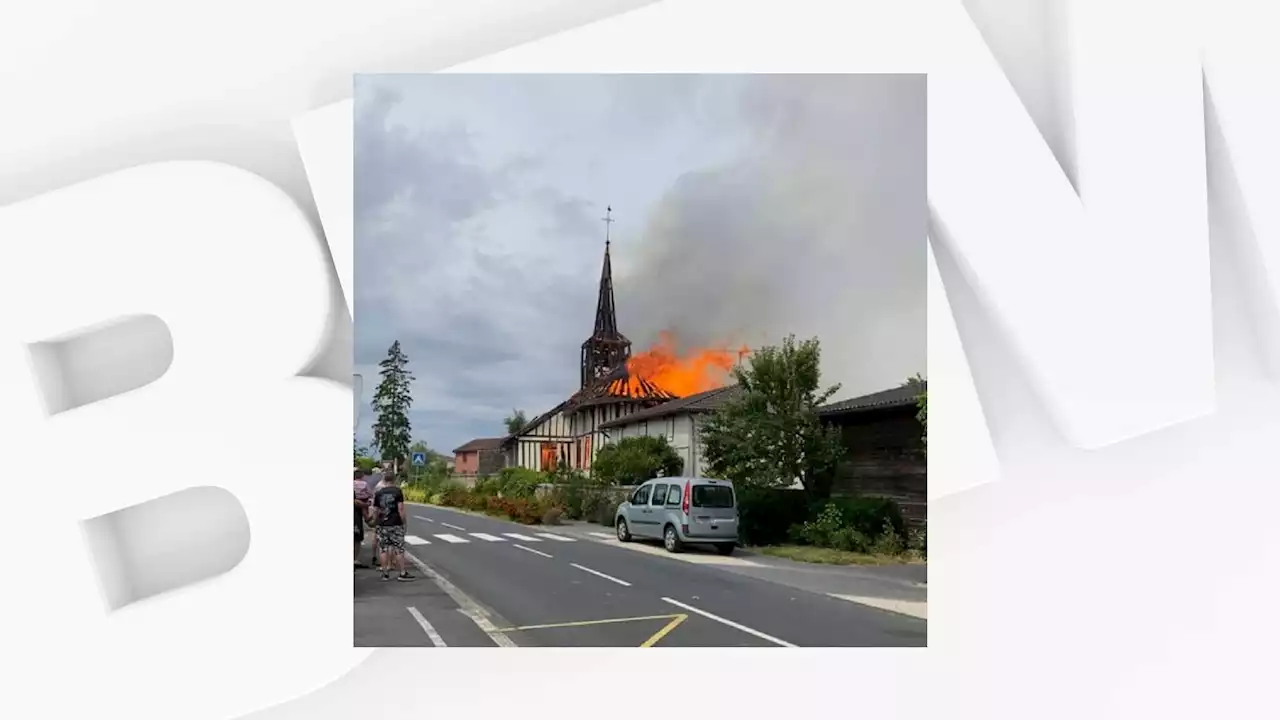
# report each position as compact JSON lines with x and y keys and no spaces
{"x":821,"y":231}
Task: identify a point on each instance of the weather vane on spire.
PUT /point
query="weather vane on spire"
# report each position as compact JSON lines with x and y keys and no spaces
{"x":608,"y":219}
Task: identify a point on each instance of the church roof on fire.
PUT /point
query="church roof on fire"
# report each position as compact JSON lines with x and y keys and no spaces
{"x":619,"y":386}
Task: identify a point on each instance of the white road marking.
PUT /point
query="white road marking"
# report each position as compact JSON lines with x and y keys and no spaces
{"x":624,"y":583}
{"x":487,"y":536}
{"x":452,"y":538}
{"x":607,"y":536}
{"x":466,"y":605}
{"x":535,"y":552}
{"x":553,"y":536}
{"x":482,"y":622}
{"x":454,"y":527}
{"x":426,"y":626}
{"x":916,"y":609}
{"x":518,"y":536}
{"x":730,"y":623}
{"x":415,"y":540}
{"x":419,"y":517}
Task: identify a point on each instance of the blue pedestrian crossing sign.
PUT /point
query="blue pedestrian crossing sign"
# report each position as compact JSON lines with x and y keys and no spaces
{"x":419,"y":458}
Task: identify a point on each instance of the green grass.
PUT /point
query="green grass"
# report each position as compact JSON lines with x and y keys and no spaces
{"x":828,"y":556}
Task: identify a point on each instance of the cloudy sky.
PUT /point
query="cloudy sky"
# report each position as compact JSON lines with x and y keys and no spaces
{"x":746,"y":208}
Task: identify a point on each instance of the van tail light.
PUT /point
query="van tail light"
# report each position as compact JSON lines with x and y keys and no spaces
{"x":688,"y":497}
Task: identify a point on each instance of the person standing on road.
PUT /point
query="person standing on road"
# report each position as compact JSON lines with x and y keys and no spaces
{"x":378,"y":480}
{"x":392,"y":521}
{"x":362,"y":498}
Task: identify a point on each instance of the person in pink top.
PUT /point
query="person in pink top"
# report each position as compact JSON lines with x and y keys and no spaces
{"x":362,"y":497}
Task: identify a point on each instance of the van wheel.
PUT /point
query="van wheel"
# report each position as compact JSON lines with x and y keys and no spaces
{"x":671,"y":540}
{"x":624,"y":533}
{"x":726,"y":548}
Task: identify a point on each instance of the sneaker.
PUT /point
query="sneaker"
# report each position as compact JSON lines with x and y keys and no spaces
{"x":404,"y":577}
{"x":386,"y":576}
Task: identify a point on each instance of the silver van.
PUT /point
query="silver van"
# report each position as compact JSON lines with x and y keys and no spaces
{"x":680,"y":511}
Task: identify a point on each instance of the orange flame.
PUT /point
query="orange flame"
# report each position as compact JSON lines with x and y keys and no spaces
{"x":698,"y":370}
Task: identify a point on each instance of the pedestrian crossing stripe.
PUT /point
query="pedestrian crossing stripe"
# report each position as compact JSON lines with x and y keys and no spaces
{"x":487,"y":537}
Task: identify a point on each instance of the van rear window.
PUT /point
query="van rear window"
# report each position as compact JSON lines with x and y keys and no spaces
{"x":712,"y":496}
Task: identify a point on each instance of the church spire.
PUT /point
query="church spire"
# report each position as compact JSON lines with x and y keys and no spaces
{"x":607,"y":348}
{"x":606,"y":314}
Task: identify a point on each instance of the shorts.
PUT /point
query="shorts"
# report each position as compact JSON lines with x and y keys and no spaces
{"x":391,"y":537}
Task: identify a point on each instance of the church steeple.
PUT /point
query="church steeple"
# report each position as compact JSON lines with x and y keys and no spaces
{"x":607,"y":348}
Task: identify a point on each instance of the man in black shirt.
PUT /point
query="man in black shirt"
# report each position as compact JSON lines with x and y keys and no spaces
{"x":391,"y":519}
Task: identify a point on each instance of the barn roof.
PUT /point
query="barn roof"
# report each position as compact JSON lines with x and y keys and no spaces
{"x":893,"y":397}
{"x":699,"y":403}
{"x":479,"y":444}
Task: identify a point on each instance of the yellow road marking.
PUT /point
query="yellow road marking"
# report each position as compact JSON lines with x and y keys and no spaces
{"x":585,"y":623}
{"x":663,"y":632}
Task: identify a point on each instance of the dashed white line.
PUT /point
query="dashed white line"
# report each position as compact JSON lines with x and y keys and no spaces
{"x":452,"y":538}
{"x":426,"y":626}
{"x":553,"y":536}
{"x":419,"y":517}
{"x":606,"y":536}
{"x":535,"y":552}
{"x":454,"y":527}
{"x":730,"y":623}
{"x":488,"y":537}
{"x":415,"y":540}
{"x":597,"y":573}
{"x":524,"y":538}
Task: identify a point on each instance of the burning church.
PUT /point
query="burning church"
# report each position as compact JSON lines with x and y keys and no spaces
{"x":570,"y":432}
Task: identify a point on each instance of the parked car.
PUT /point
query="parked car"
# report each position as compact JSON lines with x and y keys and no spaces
{"x":681,"y":511}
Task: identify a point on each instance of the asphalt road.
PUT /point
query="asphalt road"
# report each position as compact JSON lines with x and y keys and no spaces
{"x":483,"y":582}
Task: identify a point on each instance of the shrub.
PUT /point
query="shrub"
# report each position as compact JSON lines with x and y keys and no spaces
{"x":766,"y":515}
{"x":477,"y":502}
{"x":849,"y":540}
{"x":888,"y":541}
{"x":519,"y":482}
{"x":822,"y":530}
{"x":454,"y":496}
{"x":916,"y":542}
{"x":633,"y":460}
{"x":486,"y":486}
{"x":415,"y":494}
{"x":552,"y":516}
{"x":868,"y":515}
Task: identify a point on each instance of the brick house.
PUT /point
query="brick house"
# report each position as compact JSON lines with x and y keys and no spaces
{"x":482,"y":456}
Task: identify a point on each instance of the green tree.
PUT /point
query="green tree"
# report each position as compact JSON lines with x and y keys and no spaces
{"x":633,"y":460}
{"x":515,"y":421}
{"x":917,"y":381}
{"x":770,"y":435}
{"x":391,"y":402}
